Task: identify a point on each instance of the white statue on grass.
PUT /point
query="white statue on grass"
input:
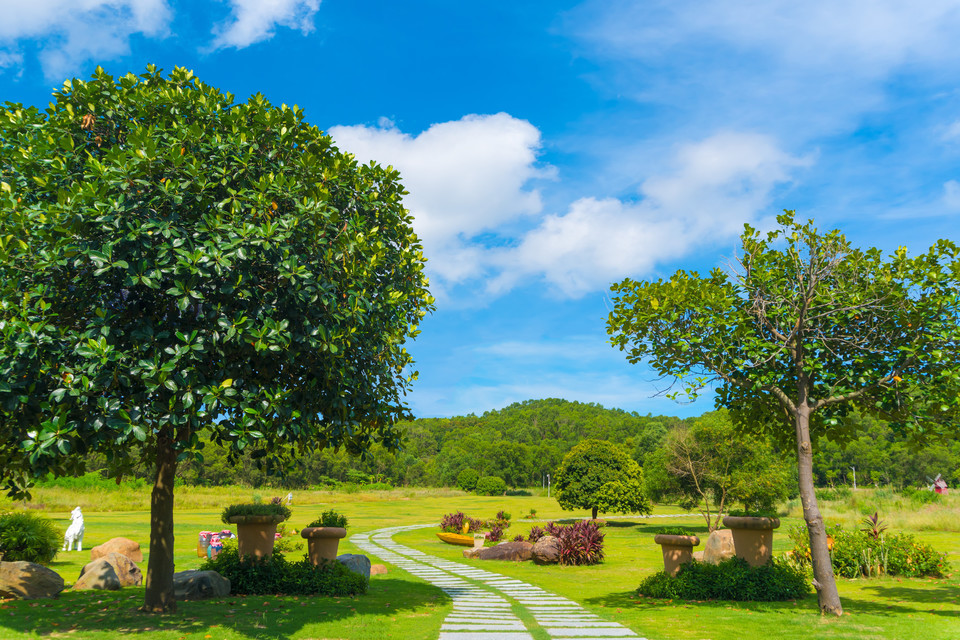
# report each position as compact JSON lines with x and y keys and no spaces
{"x":74,"y":534}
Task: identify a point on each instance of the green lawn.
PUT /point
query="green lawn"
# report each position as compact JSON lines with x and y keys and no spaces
{"x":401,"y":606}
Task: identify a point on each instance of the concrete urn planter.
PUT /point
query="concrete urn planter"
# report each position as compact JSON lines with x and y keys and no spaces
{"x":255,"y":534}
{"x":752,"y":537}
{"x":677,"y":550}
{"x":322,"y":542}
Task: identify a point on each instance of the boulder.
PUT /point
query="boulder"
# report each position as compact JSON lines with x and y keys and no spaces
{"x":123,"y":546}
{"x":198,"y":585}
{"x":719,"y":546}
{"x":698,"y":555}
{"x":378,"y":570}
{"x":547,"y":550}
{"x":356,"y":562}
{"x":97,"y":575}
{"x":28,"y":581}
{"x":126,"y":569}
{"x":516,"y":551}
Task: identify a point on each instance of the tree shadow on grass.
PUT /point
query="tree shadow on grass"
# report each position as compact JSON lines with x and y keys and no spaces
{"x":901,"y":598}
{"x":652,"y":528}
{"x":631,"y":600}
{"x":80,"y":613}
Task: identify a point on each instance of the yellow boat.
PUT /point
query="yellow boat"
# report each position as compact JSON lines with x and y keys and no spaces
{"x":456,"y":538}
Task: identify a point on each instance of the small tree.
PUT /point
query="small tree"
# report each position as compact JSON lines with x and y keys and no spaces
{"x":806,"y":330}
{"x":173,"y":264}
{"x":708,"y":465}
{"x":599,"y":476}
{"x":467,"y":479}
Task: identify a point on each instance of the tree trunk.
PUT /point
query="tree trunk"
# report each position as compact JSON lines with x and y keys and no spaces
{"x":595,"y":513}
{"x":159,"y":592}
{"x":823,"y":579}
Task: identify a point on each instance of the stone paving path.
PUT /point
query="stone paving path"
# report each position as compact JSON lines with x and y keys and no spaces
{"x":485,"y":604}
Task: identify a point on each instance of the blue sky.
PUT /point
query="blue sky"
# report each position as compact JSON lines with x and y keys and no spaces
{"x":552,"y":148}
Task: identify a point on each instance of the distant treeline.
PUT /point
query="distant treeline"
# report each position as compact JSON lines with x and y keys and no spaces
{"x":525,"y":441}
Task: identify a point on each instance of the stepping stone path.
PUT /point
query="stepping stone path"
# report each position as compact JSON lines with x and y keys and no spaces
{"x":484,"y":602}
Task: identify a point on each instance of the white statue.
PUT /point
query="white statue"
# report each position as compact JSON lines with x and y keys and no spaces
{"x":289,"y":498}
{"x":74,"y":532}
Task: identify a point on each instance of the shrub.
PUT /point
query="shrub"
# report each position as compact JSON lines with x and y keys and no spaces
{"x":491,"y":486}
{"x":28,"y":537}
{"x":531,"y":515}
{"x":858,"y":554}
{"x":453,"y":523}
{"x":330,"y":518}
{"x":503,"y":516}
{"x":673,"y":531}
{"x":535,"y":534}
{"x":581,"y":543}
{"x":496,"y":533}
{"x":731,"y":579}
{"x":517,"y":492}
{"x":273,"y":508}
{"x":518,"y":538}
{"x":276,"y":575}
{"x":923,"y":496}
{"x":825,"y":494}
{"x":467,"y":479}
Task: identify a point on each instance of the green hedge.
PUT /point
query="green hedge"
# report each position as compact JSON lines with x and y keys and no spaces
{"x":491,"y":486}
{"x":731,"y":579}
{"x":276,"y":575}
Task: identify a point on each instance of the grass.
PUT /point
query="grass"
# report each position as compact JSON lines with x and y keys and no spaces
{"x":401,"y":606}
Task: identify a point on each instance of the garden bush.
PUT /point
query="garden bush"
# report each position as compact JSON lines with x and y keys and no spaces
{"x":467,"y":479}
{"x":491,"y":486}
{"x":272,"y":508}
{"x":330,"y":518}
{"x":496,"y":532}
{"x":921,"y":496}
{"x":833,"y":493}
{"x":731,"y":579}
{"x":453,"y":523}
{"x":29,"y":537}
{"x":858,"y":554}
{"x":276,"y":575}
{"x":580,"y":542}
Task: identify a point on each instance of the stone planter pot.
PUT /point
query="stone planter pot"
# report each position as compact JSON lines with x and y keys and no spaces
{"x":322,"y":542}
{"x":752,"y":537}
{"x":255,"y":534}
{"x":677,"y":550}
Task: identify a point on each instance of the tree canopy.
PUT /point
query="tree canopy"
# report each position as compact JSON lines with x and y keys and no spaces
{"x":806,"y":330}
{"x":600,"y":476}
{"x":174,"y":264}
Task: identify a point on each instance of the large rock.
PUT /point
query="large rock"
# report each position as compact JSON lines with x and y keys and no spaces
{"x":123,"y":546}
{"x":28,"y":581}
{"x":546,"y":550}
{"x":516,"y":551}
{"x":198,"y":585}
{"x":97,"y":575}
{"x":356,"y":562}
{"x":126,"y":569}
{"x":719,"y":546}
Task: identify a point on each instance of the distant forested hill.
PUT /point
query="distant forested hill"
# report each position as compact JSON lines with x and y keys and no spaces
{"x":525,"y":441}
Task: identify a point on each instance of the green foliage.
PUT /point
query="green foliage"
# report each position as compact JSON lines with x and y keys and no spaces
{"x":330,"y":518}
{"x":29,"y":537}
{"x":467,"y":479}
{"x":858,"y":554}
{"x":598,"y":475}
{"x":673,"y":531}
{"x":174,"y":264}
{"x":731,"y":579}
{"x":923,"y":496}
{"x":276,"y":575}
{"x":255,"y":509}
{"x":491,"y":486}
{"x":580,"y":543}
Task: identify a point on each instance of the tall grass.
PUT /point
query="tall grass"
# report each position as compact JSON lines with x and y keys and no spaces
{"x":918,"y":511}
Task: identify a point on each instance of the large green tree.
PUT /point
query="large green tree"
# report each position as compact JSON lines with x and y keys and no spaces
{"x":600,"y":476}
{"x":803,"y":330}
{"x":173,"y":263}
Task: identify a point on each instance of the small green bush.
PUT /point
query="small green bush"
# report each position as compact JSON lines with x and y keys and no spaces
{"x":255,"y":509}
{"x":467,"y":479}
{"x":29,"y":537}
{"x":922,"y":496}
{"x":673,"y":531}
{"x":330,"y":518}
{"x":833,"y":494}
{"x":858,"y":554}
{"x":517,"y":492}
{"x":731,"y":579}
{"x":276,"y":575}
{"x":491,"y":486}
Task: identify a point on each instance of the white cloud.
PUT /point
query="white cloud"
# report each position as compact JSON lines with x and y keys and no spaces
{"x":713,"y":188}
{"x":75,"y":32}
{"x":465,"y":177}
{"x":253,"y":21}
{"x":951,"y":195}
